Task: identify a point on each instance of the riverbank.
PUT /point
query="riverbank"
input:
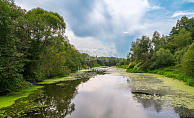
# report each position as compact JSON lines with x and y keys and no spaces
{"x":153,"y":94}
{"x":27,"y":101}
{"x":10,"y":99}
{"x":169,"y":72}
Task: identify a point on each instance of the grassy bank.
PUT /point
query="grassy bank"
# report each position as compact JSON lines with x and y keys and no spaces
{"x":8,"y":100}
{"x":176,"y":74}
{"x":54,"y":80}
{"x":169,"y":72}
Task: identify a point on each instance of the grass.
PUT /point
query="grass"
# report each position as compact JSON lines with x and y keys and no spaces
{"x":10,"y":99}
{"x":173,"y":73}
{"x":169,"y":72}
{"x":54,"y":80}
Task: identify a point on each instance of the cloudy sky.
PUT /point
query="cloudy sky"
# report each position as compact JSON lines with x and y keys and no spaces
{"x":107,"y":27}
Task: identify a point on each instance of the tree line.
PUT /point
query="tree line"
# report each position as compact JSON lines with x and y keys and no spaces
{"x":33,"y":47}
{"x":173,"y":53}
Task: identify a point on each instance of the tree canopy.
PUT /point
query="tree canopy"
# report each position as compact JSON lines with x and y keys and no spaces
{"x":175,"y":50}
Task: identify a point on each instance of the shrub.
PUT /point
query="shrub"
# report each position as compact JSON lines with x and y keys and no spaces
{"x":131,"y":65}
{"x":190,"y":82}
{"x":136,"y":69}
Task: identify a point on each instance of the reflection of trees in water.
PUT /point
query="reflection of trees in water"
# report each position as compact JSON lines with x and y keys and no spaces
{"x":156,"y":104}
{"x":58,"y":98}
{"x":149,"y":102}
{"x":149,"y":95}
{"x":184,"y":112}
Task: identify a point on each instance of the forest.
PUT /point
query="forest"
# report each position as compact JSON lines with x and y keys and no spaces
{"x":172,"y":56}
{"x":34,"y":47}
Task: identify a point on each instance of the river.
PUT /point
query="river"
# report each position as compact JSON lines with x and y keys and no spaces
{"x":113,"y":94}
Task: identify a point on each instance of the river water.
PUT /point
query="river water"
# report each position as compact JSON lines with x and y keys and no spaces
{"x":114,"y":94}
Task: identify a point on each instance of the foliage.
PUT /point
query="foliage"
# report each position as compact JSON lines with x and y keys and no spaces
{"x":140,"y":49}
{"x":162,"y":58}
{"x":188,"y":61}
{"x":179,"y":55}
{"x":33,"y":47}
{"x":171,"y":72}
{"x":131,"y":65}
{"x":136,"y":68}
{"x":166,"y":51}
{"x":11,"y":49}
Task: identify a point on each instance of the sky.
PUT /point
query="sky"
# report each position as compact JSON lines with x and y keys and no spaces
{"x":107,"y":27}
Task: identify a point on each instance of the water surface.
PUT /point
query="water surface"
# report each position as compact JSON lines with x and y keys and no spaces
{"x":114,"y":94}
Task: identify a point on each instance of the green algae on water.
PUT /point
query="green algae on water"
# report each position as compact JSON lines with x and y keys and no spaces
{"x":10,"y":99}
{"x":24,"y":105}
{"x":172,"y":92}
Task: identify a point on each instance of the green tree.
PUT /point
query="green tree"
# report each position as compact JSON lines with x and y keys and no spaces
{"x":162,"y":58}
{"x":140,"y":48}
{"x":182,"y":39}
{"x":11,"y":53}
{"x":158,"y":41}
{"x":45,"y":28}
{"x":188,"y":61}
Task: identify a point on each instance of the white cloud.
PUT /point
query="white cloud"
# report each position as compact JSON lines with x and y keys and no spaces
{"x":157,"y":7}
{"x":162,"y":27}
{"x":189,"y":0}
{"x":125,"y":32}
{"x":108,"y":25}
{"x":181,"y":13}
{"x":122,"y":15}
{"x":91,"y":45}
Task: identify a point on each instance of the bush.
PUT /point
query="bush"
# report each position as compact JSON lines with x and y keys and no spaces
{"x":131,"y":65}
{"x":190,"y":82}
{"x":136,"y":69}
{"x":171,"y":73}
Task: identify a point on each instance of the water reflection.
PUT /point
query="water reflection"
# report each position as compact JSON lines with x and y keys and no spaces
{"x":184,"y":112}
{"x":57,"y":97}
{"x":106,"y":96}
{"x":100,"y":98}
{"x":158,"y":98}
{"x":150,"y":103}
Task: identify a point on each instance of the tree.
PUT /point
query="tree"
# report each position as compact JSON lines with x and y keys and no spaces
{"x":183,"y":23}
{"x":11,"y":54}
{"x":45,"y":29}
{"x":182,"y":39}
{"x":162,"y":58}
{"x":140,"y":48}
{"x":188,"y":61}
{"x":158,"y":41}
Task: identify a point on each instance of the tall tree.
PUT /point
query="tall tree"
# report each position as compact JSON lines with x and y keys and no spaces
{"x":188,"y":61}
{"x":45,"y":29}
{"x":140,"y":48}
{"x":11,"y":56}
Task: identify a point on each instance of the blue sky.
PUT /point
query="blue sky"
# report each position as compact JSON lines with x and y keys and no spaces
{"x":107,"y":27}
